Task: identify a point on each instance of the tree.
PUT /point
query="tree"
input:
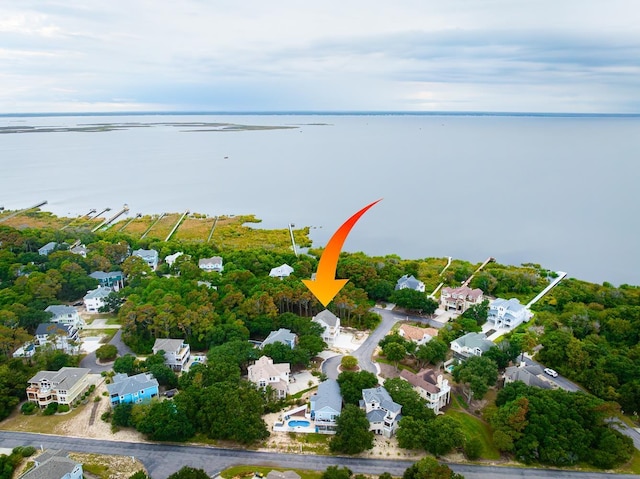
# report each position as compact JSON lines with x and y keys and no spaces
{"x":442,"y":435}
{"x":478,"y":312}
{"x":432,"y":352}
{"x":429,"y":468}
{"x":166,"y":422}
{"x":335,"y":472}
{"x":352,"y":432}
{"x":414,"y":301}
{"x":139,"y":475}
{"x":352,"y":383}
{"x":106,"y":352}
{"x":473,"y":448}
{"x":395,"y":352}
{"x":478,"y":373}
{"x":348,"y":362}
{"x":126,"y":364}
{"x":188,"y":472}
{"x":413,"y":405}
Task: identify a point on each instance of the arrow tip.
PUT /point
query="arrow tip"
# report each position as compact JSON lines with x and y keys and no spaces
{"x":325,"y":289}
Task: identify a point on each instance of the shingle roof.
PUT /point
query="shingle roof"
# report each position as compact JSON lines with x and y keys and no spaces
{"x":415,"y":333}
{"x":328,"y":395}
{"x":60,"y":309}
{"x":54,"y":467}
{"x":528,"y":375}
{"x":327,"y":317}
{"x":45,"y":329}
{"x":168,"y":345}
{"x":101,"y":275}
{"x":132,"y":384}
{"x":425,"y":379}
{"x":264,"y":368}
{"x":475,"y":340}
{"x":281,"y":335}
{"x":145,"y":253}
{"x":376,"y":415}
{"x":381,"y":396}
{"x":66,"y":378}
{"x":99,"y":292}
{"x":463,"y":292}
{"x":281,"y":271}
{"x":212,"y":260}
{"x":408,"y":282}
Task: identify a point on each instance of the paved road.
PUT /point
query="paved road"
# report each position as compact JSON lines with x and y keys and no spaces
{"x":161,"y":460}
{"x":561,"y":381}
{"x":89,"y":361}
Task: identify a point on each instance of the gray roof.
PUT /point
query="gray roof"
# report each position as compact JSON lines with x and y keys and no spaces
{"x":49,"y":246}
{"x":123,"y":385}
{"x":45,"y":329}
{"x":99,"y":292}
{"x":512,"y":305}
{"x":53,"y":467}
{"x":66,"y":378}
{"x":101,"y":275}
{"x":381,"y":396}
{"x":475,"y":340}
{"x":60,"y":309}
{"x":327,"y":317}
{"x":212,"y":260}
{"x":280,"y":336}
{"x":377,"y":415}
{"x":145,"y":253}
{"x":528,"y":375}
{"x":408,"y":282}
{"x":328,"y":395}
{"x":168,"y":345}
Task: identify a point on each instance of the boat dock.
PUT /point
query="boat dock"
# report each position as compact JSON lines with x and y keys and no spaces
{"x":560,"y":277}
{"x":107,"y":222}
{"x":152,"y":225}
{"x":212,"y":228}
{"x":16,"y":213}
{"x":486,"y":262}
{"x":176,"y":225}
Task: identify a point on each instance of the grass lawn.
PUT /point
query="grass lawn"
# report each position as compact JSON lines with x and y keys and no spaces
{"x":248,"y":471}
{"x":39,"y":423}
{"x":474,"y":427}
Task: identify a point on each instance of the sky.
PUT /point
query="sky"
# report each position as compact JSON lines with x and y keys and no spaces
{"x":578,"y":56}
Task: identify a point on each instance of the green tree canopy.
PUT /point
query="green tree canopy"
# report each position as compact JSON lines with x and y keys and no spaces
{"x":352,"y":432}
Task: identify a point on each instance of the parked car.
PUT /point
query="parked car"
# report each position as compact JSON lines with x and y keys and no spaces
{"x":551,"y":372}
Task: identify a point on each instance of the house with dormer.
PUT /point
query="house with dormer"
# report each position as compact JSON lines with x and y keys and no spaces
{"x":150,"y":256}
{"x":63,"y":337}
{"x":263,"y":373}
{"x":416,"y":334}
{"x":136,"y":389}
{"x":431,"y":386}
{"x":330,"y":324}
{"x":409,"y":281}
{"x":94,"y":299}
{"x":63,"y":314}
{"x":382,"y":412}
{"x":508,"y":314}
{"x":176,"y":352}
{"x":64,"y":386}
{"x":326,"y":406}
{"x":211,"y":264}
{"x":471,"y":344}
{"x":460,"y":299}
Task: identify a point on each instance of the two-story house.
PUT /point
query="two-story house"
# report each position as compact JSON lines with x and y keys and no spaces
{"x":264,"y":373}
{"x":94,"y":299}
{"x":132,"y":389}
{"x":326,"y":406}
{"x":150,"y":256}
{"x":54,"y":464}
{"x":471,"y":344}
{"x":416,"y":334}
{"x":211,"y":264}
{"x":382,"y":412}
{"x":113,"y":279}
{"x":63,"y":314}
{"x":282,"y":335}
{"x":532,"y":375}
{"x":282,"y":271}
{"x":63,"y":387}
{"x":410,"y":282}
{"x":79,"y":249}
{"x":171,"y":258}
{"x":460,"y":299}
{"x":176,"y":352}
{"x":330,"y":324}
{"x":431,"y":386}
{"x":58,"y":336}
{"x":509,"y":314}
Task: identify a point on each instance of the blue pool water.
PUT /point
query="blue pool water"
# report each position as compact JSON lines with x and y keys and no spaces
{"x":296,"y":423}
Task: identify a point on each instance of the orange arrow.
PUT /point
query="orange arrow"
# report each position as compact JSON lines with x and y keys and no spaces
{"x":326,"y":286}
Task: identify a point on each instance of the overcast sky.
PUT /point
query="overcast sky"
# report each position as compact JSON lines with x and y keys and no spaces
{"x":255,"y":55}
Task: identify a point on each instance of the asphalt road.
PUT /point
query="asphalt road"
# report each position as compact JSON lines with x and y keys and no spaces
{"x":162,"y":460}
{"x":561,"y":381}
{"x":89,"y":361}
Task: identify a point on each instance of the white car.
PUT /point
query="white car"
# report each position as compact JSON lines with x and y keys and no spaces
{"x":551,"y":372}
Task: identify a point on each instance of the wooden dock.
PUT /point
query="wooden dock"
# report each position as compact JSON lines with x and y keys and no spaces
{"x":152,"y":225}
{"x":176,"y":226}
{"x":16,"y":213}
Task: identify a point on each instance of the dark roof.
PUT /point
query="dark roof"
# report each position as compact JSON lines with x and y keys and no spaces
{"x":45,"y":329}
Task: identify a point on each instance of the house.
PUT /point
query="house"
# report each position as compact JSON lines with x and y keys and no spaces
{"x":460,"y":299}
{"x":530,"y":375}
{"x":170,"y":259}
{"x":63,"y":387}
{"x":54,"y":464}
{"x":431,"y":386}
{"x":507,"y":313}
{"x":281,"y":336}
{"x":150,"y":256}
{"x":411,"y":283}
{"x":282,"y":475}
{"x":132,"y":389}
{"x":114,"y":279}
{"x":48,"y":248}
{"x":94,"y":299}
{"x":282,"y":271}
{"x":79,"y":249}
{"x":176,"y":352}
{"x":416,"y":334}
{"x":331,"y":325}
{"x":264,"y":373}
{"x":326,"y":406}
{"x":211,"y":264}
{"x":471,"y":344}
{"x":62,"y":336}
{"x":383,"y":414}
{"x":63,"y":314}
{"x":27,"y":350}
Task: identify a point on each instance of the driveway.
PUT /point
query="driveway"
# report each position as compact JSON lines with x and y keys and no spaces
{"x":90,"y":360}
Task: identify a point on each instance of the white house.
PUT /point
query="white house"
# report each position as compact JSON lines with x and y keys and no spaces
{"x":383,"y":414}
{"x":471,"y":344}
{"x":211,"y":264}
{"x":331,"y":325}
{"x":54,"y":464}
{"x":94,"y":299}
{"x":171,"y":258}
{"x":281,"y":336}
{"x":61,"y":336}
{"x":113,"y":279}
{"x":264,"y":373}
{"x":282,"y":271}
{"x":63,"y":387}
{"x":507,"y":313}
{"x":410,"y":282}
{"x":176,"y":352}
{"x":48,"y":248}
{"x":63,"y":314}
{"x":431,"y":386}
{"x":326,"y":406}
{"x":150,"y":256}
{"x":460,"y":299}
{"x":416,"y":334}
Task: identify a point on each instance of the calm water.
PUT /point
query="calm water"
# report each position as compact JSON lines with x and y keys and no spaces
{"x":562,"y":192}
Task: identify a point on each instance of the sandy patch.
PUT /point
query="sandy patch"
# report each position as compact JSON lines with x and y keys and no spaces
{"x":348,"y":340}
{"x":90,"y":344}
{"x":118,"y":467}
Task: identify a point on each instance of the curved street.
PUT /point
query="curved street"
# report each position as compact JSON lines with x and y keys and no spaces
{"x":89,"y":361}
{"x":162,"y":460}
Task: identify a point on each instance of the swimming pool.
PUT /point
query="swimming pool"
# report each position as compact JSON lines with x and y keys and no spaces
{"x":298,"y":423}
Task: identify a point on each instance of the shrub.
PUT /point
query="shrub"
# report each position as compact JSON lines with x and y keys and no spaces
{"x":349,"y":362}
{"x":27,"y":451}
{"x":105,"y":393}
{"x":473,"y":448}
{"x":63,"y":408}
{"x":92,"y":388}
{"x":28,"y":408}
{"x":50,"y":409}
{"x":107,"y":352}
{"x":97,"y":399}
{"x":106,"y":416}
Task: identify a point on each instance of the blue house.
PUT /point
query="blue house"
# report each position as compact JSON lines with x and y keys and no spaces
{"x":134,"y":389}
